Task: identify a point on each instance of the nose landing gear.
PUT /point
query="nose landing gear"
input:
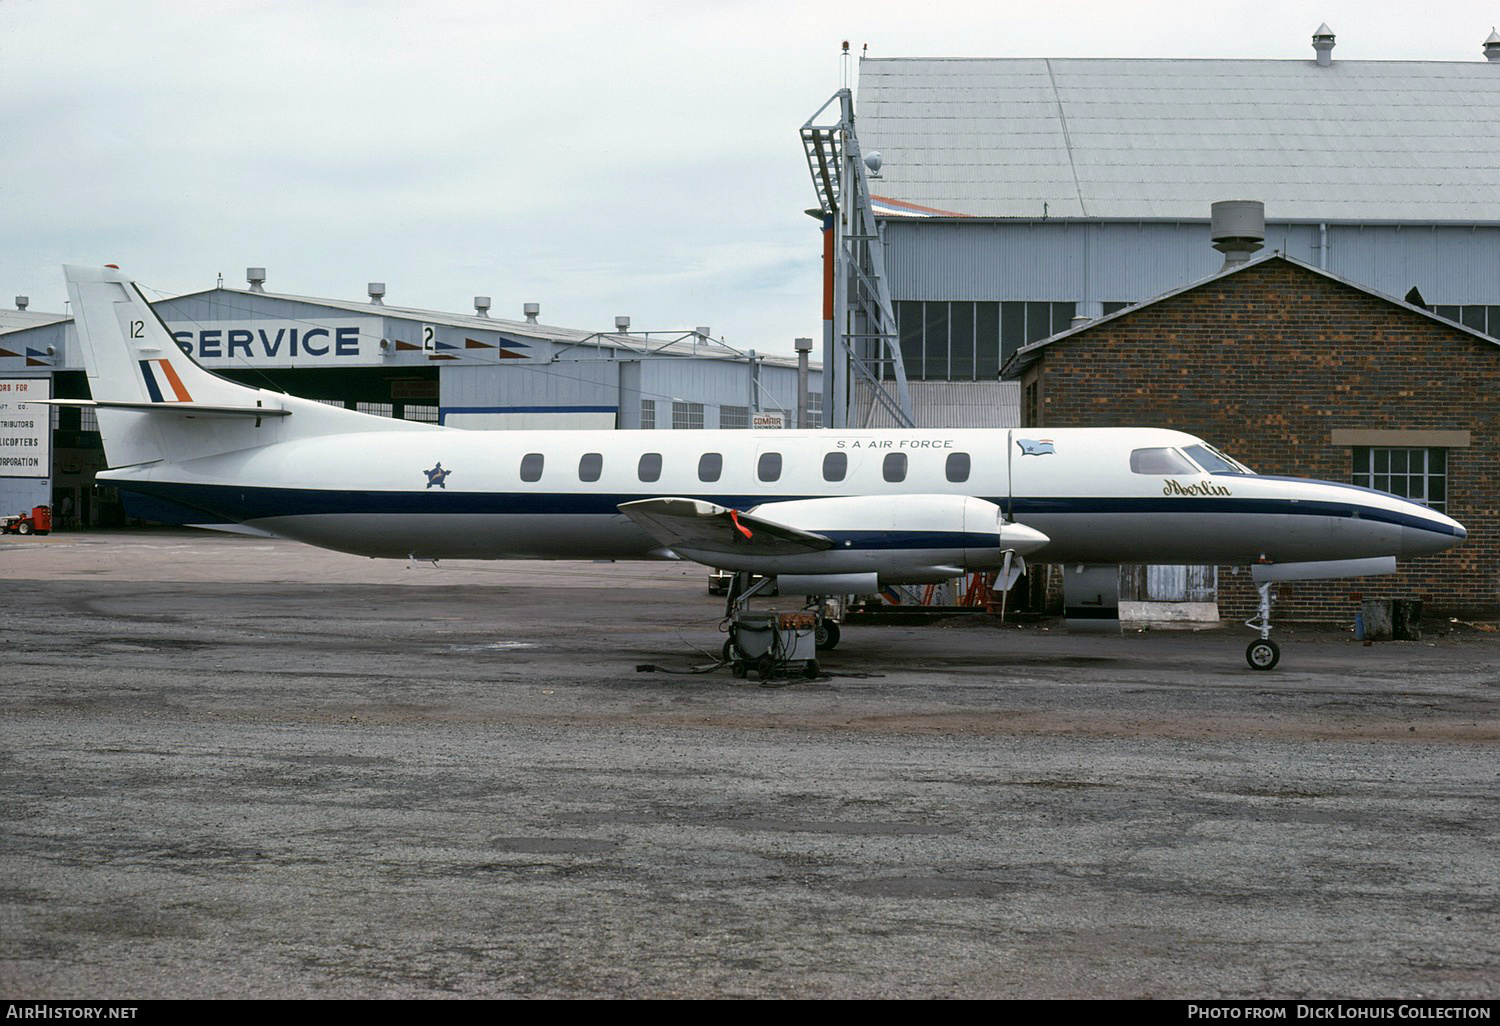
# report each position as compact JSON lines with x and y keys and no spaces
{"x":1263,"y":653}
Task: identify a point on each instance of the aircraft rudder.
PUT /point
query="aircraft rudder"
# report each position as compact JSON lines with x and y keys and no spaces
{"x":128,"y":351}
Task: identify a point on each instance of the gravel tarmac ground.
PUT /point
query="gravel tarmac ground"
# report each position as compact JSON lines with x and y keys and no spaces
{"x":238,"y":767}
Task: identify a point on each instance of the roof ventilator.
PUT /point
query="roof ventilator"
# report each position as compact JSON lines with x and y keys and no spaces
{"x":1238,"y":228}
{"x":1492,"y":47}
{"x":1323,"y":44}
{"x":481,"y":306}
{"x":376,"y":290}
{"x":256,"y":276}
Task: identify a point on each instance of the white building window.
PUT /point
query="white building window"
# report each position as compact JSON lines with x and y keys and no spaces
{"x":648,"y":414}
{"x":1417,"y":474}
{"x":814,"y":410}
{"x":377,"y":409}
{"x":734,"y":417}
{"x":687,"y":416}
{"x":422,"y":414}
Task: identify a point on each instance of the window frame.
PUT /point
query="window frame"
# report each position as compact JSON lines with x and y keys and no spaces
{"x":1366,"y":471}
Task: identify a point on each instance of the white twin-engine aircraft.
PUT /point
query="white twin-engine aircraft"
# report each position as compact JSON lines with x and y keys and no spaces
{"x":826,"y":512}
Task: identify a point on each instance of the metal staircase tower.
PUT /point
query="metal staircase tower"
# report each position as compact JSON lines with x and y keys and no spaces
{"x":861,"y":350}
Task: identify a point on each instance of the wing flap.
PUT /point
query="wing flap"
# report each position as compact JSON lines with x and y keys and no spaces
{"x":705,"y":528}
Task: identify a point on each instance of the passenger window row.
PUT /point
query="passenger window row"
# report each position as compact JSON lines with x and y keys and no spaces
{"x":767,"y":468}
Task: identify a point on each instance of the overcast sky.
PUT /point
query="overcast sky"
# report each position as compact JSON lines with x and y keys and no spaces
{"x":633,"y":158}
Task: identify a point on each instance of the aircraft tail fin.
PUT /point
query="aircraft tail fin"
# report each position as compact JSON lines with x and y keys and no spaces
{"x":156,"y":404}
{"x":129,"y":354}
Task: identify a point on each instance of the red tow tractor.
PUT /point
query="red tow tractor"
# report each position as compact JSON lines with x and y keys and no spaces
{"x":38,"y":521}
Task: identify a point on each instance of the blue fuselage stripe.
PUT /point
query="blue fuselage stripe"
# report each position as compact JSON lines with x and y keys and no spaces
{"x":236,"y":503}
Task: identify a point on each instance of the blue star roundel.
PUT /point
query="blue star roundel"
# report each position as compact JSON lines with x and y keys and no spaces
{"x":437,"y":475}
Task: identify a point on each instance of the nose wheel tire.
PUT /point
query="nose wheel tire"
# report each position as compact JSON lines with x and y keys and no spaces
{"x":1262,"y":654}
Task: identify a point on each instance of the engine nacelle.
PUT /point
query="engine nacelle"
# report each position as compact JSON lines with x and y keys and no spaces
{"x":908,"y":539}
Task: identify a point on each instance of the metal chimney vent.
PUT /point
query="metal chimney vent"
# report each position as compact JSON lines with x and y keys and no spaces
{"x":482,"y":305}
{"x":22,"y":302}
{"x":1492,"y":46}
{"x":256,"y":276}
{"x":1238,"y":228}
{"x":531,"y":310}
{"x":622,"y":323}
{"x":1323,"y":44}
{"x":376,"y":289}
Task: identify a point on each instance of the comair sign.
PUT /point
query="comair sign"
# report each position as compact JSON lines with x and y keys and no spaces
{"x":262,"y":343}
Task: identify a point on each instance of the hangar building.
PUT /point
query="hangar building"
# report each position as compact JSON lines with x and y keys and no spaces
{"x":1022,"y":200}
{"x":1015,"y":194}
{"x":464,"y":370}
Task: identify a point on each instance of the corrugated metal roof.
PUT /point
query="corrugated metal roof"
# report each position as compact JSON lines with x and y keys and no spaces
{"x":1106,"y":138}
{"x":662,"y":344}
{"x":14,"y":320}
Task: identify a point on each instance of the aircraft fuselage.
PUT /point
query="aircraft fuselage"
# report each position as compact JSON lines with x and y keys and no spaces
{"x":448,"y":493}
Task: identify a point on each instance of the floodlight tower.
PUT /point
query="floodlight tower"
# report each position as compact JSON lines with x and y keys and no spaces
{"x":861,"y":350}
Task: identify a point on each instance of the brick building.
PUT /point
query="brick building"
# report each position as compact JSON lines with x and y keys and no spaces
{"x":1296,"y":371}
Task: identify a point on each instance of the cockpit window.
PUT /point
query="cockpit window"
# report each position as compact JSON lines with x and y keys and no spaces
{"x":1160,"y":461}
{"x":1214,"y":461}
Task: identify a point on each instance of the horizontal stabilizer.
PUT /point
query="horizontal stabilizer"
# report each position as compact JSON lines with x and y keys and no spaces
{"x":706,"y":528}
{"x":181,"y":409}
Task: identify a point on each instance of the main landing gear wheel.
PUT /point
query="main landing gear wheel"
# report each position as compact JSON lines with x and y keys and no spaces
{"x":826,"y":636}
{"x":1262,"y":654}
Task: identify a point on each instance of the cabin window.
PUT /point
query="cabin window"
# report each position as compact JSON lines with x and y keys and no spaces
{"x":1160,"y":461}
{"x":710,"y":466}
{"x":531,"y":466}
{"x":894,"y":467}
{"x":590,"y":466}
{"x":649,"y":468}
{"x":957,"y":468}
{"x":768,"y":467}
{"x":835,"y":466}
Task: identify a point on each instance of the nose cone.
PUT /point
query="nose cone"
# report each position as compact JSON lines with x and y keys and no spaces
{"x":1427,"y":533}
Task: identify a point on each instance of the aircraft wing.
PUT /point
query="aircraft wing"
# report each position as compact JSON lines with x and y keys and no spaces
{"x":705,"y":528}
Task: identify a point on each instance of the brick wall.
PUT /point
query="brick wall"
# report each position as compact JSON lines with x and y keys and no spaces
{"x":1266,"y":363}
